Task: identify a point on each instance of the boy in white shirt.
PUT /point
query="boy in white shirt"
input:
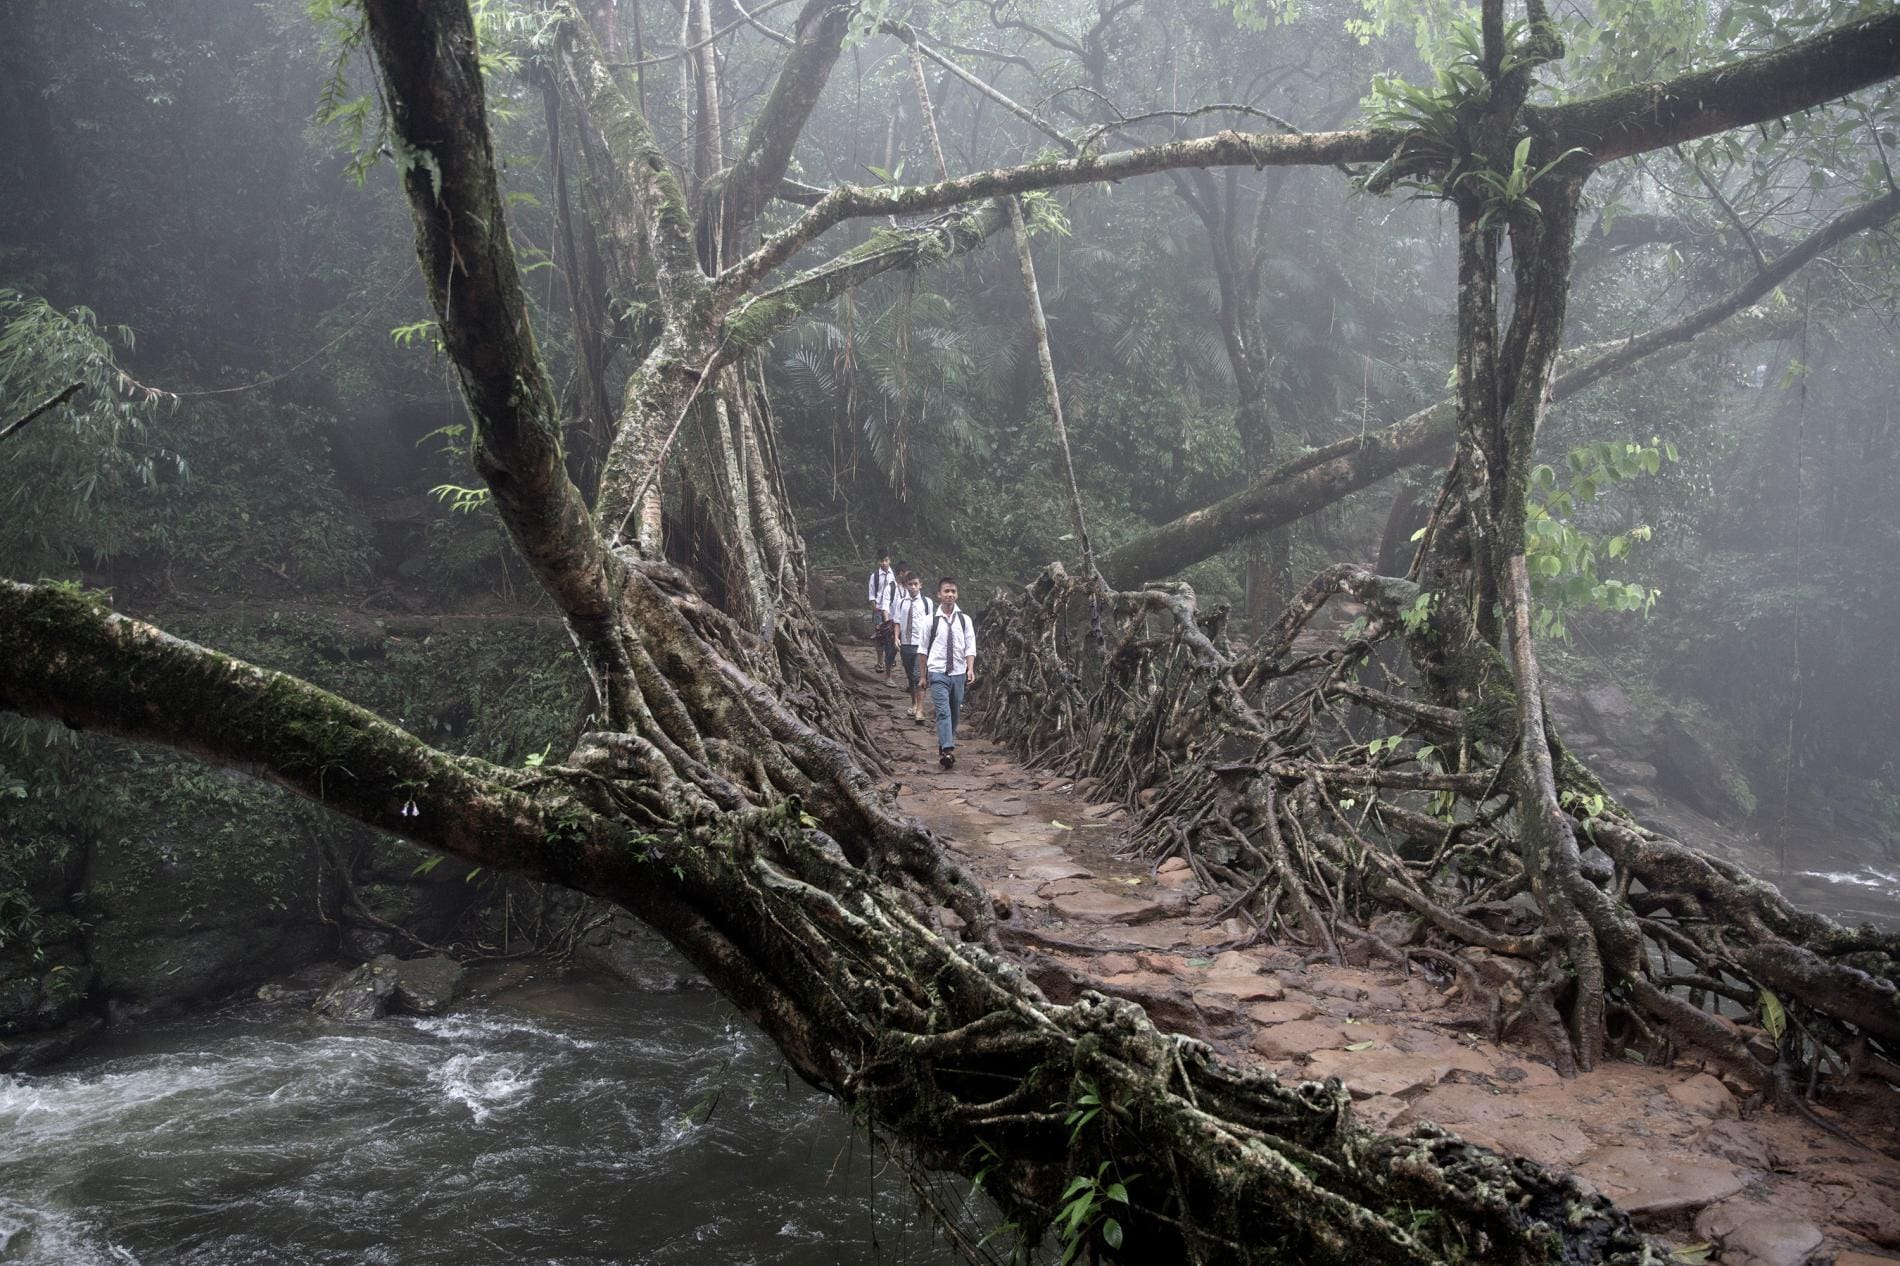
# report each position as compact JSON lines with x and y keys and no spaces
{"x":882,"y":591}
{"x":912,"y":615}
{"x":948,"y":661}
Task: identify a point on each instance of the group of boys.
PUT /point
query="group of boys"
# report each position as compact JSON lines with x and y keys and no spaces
{"x":935,"y":639}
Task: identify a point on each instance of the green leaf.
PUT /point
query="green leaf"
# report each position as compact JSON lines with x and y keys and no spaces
{"x":1774,"y":1018}
{"x":1112,"y":1233}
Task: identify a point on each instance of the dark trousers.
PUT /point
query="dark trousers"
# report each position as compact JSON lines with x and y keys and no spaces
{"x":909,"y":655}
{"x":887,"y":644}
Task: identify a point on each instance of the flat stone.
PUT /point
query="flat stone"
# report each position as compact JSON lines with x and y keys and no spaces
{"x":1300,"y":1039}
{"x":1379,"y":1111}
{"x":1502,"y":1121}
{"x":1381,"y":1070}
{"x":1035,"y":853}
{"x":1286,"y":1012}
{"x":1048,"y":871}
{"x":1243,"y":988}
{"x":1704,"y":1095}
{"x":1650,"y":1180}
{"x":1233,"y":963}
{"x":1526,"y":1075}
{"x":999,"y":807}
{"x":1735,"y":1141}
{"x":1753,"y":1236}
{"x":1097,"y":906}
{"x":1162,"y":997}
{"x":1174,"y":865}
{"x":1099,"y":810}
{"x":1854,"y":1257}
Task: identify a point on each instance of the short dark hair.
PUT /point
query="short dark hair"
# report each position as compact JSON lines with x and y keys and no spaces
{"x":902,"y":565}
{"x":947,"y":580}
{"x":883,"y":555}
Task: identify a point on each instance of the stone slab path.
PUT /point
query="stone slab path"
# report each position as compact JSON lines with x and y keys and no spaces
{"x":1671,"y":1144}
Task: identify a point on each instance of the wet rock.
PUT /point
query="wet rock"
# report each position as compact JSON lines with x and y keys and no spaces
{"x":1001,"y":806}
{"x":361,"y":994}
{"x":26,"y":1051}
{"x":1704,"y":1095}
{"x":1655,"y":1181}
{"x":1750,"y":1235}
{"x":426,"y":986}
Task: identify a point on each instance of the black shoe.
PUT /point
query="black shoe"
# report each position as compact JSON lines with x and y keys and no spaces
{"x":945,"y":759}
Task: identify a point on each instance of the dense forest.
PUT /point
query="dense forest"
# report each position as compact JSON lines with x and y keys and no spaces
{"x":1432,"y":471}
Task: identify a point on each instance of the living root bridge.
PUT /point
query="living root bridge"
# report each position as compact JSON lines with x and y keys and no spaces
{"x":1368,"y":812}
{"x":939,"y":1043}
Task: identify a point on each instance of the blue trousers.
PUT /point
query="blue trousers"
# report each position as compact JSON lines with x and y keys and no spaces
{"x":946,"y":692}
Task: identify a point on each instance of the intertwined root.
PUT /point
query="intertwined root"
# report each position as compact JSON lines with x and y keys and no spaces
{"x":1361,"y":805}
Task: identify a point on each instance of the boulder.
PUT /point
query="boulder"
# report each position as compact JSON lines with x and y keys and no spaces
{"x":360,"y":994}
{"x":426,"y":986}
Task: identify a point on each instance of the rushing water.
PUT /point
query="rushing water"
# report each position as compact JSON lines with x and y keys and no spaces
{"x":545,"y":1125}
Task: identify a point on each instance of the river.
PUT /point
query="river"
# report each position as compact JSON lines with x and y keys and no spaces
{"x":547,"y":1122}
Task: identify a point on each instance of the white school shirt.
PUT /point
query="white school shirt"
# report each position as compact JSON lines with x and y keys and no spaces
{"x":878,"y":593}
{"x":912,"y":616}
{"x":952,"y":639}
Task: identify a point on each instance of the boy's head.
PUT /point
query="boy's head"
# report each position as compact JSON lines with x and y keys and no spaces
{"x":914,"y":583}
{"x":903,"y":569}
{"x":947,"y":591}
{"x":884,"y":558}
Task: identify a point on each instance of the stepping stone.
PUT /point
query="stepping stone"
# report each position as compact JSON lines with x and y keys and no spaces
{"x":1381,"y":1070}
{"x":1094,"y":905}
{"x":1048,"y":871}
{"x":1753,"y":1236}
{"x":1286,"y":1012}
{"x":1001,"y":807}
{"x":1704,"y":1095}
{"x":1301,"y":1038}
{"x":1650,"y":1180}
{"x":1031,"y":854}
{"x":1252,"y":988}
{"x":1504,"y":1123}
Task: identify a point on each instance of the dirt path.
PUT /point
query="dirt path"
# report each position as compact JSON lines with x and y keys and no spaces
{"x":1670,"y":1144}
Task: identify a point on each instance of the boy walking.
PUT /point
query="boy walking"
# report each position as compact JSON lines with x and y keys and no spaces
{"x":882,"y":592}
{"x":948,"y":661}
{"x":912,"y":615}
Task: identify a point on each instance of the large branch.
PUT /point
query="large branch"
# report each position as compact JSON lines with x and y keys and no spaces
{"x":426,"y":57}
{"x":65,"y":657}
{"x":1752,"y":90}
{"x":754,"y":176}
{"x":759,"y":318}
{"x":1297,"y":488}
{"x":1223,"y":149}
